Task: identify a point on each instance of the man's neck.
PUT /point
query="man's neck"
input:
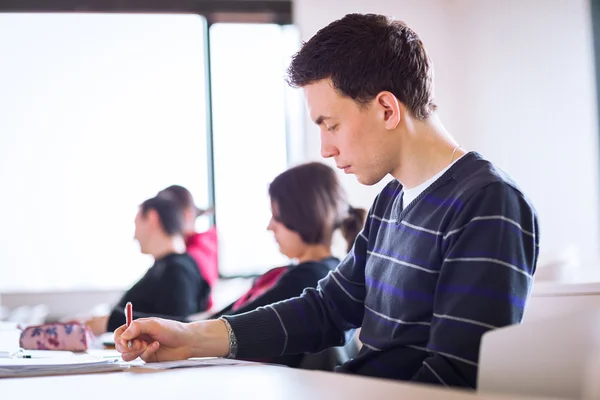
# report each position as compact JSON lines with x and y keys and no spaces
{"x":167,"y":245}
{"x":426,"y":150}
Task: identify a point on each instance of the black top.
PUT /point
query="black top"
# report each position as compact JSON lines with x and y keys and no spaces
{"x":291,"y":284}
{"x":172,"y":288}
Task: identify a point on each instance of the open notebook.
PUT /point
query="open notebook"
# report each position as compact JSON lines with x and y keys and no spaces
{"x":74,"y":364}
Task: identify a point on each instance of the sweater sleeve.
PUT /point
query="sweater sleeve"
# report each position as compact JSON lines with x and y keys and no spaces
{"x":312,"y":322}
{"x":490,"y":252}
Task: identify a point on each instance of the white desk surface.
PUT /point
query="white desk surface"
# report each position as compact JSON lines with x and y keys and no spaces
{"x":228,"y":382}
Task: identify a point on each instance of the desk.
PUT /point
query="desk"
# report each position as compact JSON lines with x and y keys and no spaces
{"x":550,"y":299}
{"x":228,"y":382}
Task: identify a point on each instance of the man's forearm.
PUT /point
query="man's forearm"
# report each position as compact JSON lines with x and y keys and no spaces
{"x":302,"y":324}
{"x":208,"y":338}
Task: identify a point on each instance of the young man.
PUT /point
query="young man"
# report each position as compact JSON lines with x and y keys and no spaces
{"x":449,"y":248}
{"x":173,"y":287}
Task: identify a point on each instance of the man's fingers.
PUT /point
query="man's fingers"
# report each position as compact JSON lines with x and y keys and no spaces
{"x":148,"y":354}
{"x":136,"y":346}
{"x":134,"y":330}
{"x":118,"y":332}
{"x":139,"y":333}
{"x":132,"y":355}
{"x":117,"y":335}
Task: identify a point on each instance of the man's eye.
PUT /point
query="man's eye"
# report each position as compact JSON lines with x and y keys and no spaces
{"x":332,"y":128}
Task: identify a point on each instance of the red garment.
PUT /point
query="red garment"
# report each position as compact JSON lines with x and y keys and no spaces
{"x":261,"y":285}
{"x":203,"y":248}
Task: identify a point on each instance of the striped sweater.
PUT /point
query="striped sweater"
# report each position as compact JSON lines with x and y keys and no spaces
{"x":424,"y":282}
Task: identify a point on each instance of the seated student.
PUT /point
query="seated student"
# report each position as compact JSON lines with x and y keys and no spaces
{"x":201,"y":246}
{"x":173,"y":287}
{"x":308,"y":205}
{"x":449,"y":250}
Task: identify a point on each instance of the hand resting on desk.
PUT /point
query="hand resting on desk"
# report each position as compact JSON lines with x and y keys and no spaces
{"x":97,"y":324}
{"x":157,"y":340}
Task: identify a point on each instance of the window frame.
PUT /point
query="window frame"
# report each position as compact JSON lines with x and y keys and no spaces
{"x":213,"y":11}
{"x":271,"y":11}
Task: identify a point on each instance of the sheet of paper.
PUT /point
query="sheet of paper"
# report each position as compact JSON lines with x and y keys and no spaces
{"x":104,"y":353}
{"x":59,"y":365}
{"x":8,"y":353}
{"x":191,"y":363}
{"x":49,"y":353}
{"x":16,"y":352}
{"x":37,"y":362}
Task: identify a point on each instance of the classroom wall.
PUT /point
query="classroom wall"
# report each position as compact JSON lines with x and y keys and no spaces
{"x":514,"y":81}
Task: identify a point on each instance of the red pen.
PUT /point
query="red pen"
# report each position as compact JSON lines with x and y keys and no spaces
{"x":128,"y":317}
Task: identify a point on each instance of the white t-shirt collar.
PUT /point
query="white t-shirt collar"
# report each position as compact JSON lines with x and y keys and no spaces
{"x":411,"y":194}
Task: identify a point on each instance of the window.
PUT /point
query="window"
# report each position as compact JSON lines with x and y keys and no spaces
{"x":98,"y":113}
{"x":250,"y":121}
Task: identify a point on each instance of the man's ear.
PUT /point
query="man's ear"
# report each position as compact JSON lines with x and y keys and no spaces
{"x":390,"y":109}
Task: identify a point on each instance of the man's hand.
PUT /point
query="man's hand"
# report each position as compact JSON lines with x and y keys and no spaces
{"x":155,"y":339}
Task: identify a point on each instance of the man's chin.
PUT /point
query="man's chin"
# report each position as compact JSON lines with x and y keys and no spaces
{"x":367,"y":180}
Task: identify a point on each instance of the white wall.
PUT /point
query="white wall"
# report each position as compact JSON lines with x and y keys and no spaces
{"x":427,"y":17}
{"x":532,"y":91}
{"x":514,"y":81}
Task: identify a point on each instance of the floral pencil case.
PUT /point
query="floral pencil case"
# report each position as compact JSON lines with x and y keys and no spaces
{"x":70,"y":336}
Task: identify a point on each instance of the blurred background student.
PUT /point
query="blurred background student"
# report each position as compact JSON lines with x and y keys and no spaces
{"x":308,"y":205}
{"x":201,"y":246}
{"x":173,"y":286}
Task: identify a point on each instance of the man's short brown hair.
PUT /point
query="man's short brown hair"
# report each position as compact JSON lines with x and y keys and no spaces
{"x":365,"y":54}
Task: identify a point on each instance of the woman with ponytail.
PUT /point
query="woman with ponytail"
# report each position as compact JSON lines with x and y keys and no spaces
{"x":308,"y":205}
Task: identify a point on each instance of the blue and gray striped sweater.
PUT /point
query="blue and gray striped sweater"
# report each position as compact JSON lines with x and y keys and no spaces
{"x":424,"y":282}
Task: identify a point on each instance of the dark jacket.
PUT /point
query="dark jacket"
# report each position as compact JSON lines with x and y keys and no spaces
{"x":172,"y":288}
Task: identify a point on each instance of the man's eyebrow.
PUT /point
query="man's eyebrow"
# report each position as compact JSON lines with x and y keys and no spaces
{"x":320,"y":119}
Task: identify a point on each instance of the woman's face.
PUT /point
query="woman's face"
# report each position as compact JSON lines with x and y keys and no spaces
{"x":290,"y":243}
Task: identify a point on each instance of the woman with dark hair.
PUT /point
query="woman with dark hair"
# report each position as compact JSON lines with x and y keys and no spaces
{"x":308,"y":205}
